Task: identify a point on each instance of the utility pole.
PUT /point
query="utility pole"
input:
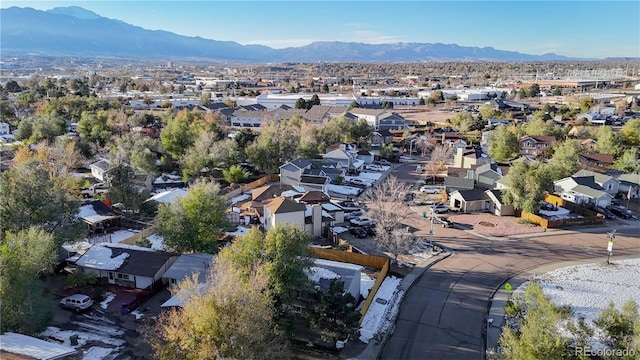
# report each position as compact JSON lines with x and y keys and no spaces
{"x":611,"y":235}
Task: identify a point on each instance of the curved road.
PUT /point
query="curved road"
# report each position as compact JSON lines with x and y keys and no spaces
{"x":443,"y":314}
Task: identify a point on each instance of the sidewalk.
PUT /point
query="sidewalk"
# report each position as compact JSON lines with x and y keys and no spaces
{"x":375,"y":346}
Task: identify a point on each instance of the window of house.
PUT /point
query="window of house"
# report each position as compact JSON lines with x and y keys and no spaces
{"x":123,"y":276}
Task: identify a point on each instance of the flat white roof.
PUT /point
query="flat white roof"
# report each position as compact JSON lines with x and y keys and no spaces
{"x":33,"y":347}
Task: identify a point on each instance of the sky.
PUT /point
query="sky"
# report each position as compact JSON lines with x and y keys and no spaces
{"x":576,"y":28}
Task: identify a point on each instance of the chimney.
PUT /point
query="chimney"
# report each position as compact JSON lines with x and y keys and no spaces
{"x":316,"y":219}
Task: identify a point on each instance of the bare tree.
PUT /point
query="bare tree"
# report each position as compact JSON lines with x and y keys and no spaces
{"x":439,"y":155}
{"x":425,"y":143}
{"x":386,"y":209}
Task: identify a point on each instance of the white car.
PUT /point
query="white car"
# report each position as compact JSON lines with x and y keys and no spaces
{"x":429,"y":189}
{"x":361,"y":221}
{"x":375,"y":167}
{"x":359,"y":182}
{"x":76,"y":302}
{"x":440,"y":208}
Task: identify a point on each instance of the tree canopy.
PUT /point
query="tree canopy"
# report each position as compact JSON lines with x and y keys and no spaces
{"x":195,"y":222}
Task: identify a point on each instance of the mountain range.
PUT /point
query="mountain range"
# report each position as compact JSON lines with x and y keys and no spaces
{"x":77,"y":31}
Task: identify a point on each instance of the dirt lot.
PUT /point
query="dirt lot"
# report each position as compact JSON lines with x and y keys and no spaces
{"x":492,"y":225}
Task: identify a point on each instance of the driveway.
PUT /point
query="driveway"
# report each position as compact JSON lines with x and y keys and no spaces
{"x":103,"y":332}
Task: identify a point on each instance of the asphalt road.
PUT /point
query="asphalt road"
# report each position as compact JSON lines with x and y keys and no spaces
{"x":443,"y":315}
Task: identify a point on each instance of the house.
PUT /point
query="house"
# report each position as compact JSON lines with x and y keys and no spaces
{"x":344,"y":158}
{"x":486,"y":175}
{"x":186,"y":266}
{"x":260,"y":196}
{"x":366,"y":156}
{"x":99,"y":216}
{"x":316,"y":220}
{"x":453,"y":183}
{"x":595,"y":161}
{"x":324,"y":271}
{"x":535,"y":145}
{"x":371,"y":116}
{"x":291,"y":172}
{"x":381,"y":137}
{"x":582,"y":190}
{"x":284,"y":211}
{"x":315,"y":182}
{"x":464,"y":158}
{"x":608,"y":183}
{"x":629,"y":185}
{"x":473,"y":200}
{"x":100,"y":168}
{"x":391,"y":121}
{"x":126,"y":265}
{"x":14,"y":346}
{"x":497,"y":205}
{"x":314,"y":197}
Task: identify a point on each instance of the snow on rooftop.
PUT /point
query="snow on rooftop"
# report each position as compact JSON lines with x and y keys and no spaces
{"x":236,"y":199}
{"x":317,"y":273}
{"x":86,"y":211}
{"x":99,"y":257}
{"x":339,"y":229}
{"x":344,"y":190}
{"x":168,"y":196}
{"x":550,"y":213}
{"x":33,"y":347}
{"x":370,"y":175}
{"x":366,"y":284}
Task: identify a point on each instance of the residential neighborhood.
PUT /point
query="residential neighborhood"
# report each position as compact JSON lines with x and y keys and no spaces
{"x":321,"y":205}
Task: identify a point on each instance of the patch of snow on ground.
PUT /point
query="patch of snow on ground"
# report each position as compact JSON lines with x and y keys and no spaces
{"x":108,"y":298}
{"x":64,"y":336}
{"x":380,"y":316}
{"x":241,"y":230}
{"x":137,"y":314}
{"x":97,"y":353}
{"x":157,"y":241}
{"x":366,"y":284}
{"x":344,"y":190}
{"x":559,"y":214}
{"x":589,"y":288}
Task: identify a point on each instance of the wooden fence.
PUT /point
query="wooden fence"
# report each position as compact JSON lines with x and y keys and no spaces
{"x":373,"y":261}
{"x":142,"y":234}
{"x":589,"y":217}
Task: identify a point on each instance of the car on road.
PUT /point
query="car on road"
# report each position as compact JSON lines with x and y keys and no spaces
{"x":384,"y":162}
{"x":76,"y":302}
{"x":430,"y":189}
{"x":440,"y":208}
{"x":443,"y":221}
{"x":361,"y":221}
{"x":353,"y":214}
{"x":358,"y":232}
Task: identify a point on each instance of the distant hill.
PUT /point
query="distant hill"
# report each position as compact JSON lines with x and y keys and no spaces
{"x":77,"y":31}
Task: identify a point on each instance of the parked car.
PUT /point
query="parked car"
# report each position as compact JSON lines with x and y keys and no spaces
{"x":443,"y":221}
{"x":358,"y":182}
{"x":348,"y":205}
{"x":353,"y":214}
{"x":608,"y":214}
{"x":429,"y":189}
{"x":370,"y":229}
{"x":440,"y":208}
{"x":361,"y":221}
{"x":358,"y":232}
{"x":76,"y":302}
{"x":384,"y":162}
{"x":620,"y":211}
{"x":375,"y":167}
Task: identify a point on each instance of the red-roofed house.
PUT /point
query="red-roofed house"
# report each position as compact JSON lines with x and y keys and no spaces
{"x":596,"y":161}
